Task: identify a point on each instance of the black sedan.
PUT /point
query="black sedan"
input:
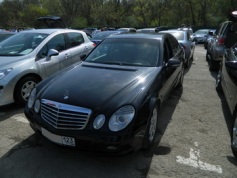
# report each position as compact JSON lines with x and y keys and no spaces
{"x":111,"y":99}
{"x":227,"y":82}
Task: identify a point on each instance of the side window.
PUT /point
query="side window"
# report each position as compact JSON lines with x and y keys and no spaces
{"x":75,"y":39}
{"x":174,"y":45}
{"x":166,"y":52}
{"x":188,"y":36}
{"x":57,"y":43}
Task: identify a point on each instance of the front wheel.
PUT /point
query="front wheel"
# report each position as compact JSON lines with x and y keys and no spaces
{"x":218,"y":81}
{"x":234,"y":136}
{"x":23,"y":89}
{"x":150,"y":133}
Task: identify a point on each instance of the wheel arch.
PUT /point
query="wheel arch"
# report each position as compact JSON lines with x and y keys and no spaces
{"x":22,"y":77}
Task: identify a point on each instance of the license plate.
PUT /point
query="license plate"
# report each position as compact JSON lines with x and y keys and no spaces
{"x":68,"y":141}
{"x":63,"y":140}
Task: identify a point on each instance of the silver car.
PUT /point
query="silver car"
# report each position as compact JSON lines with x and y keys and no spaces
{"x":200,"y":35}
{"x":31,"y":56}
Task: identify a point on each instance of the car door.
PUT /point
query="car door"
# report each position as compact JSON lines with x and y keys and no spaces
{"x":48,"y":65}
{"x":177,"y":53}
{"x":229,"y":73}
{"x":168,"y":72}
{"x":78,"y":46}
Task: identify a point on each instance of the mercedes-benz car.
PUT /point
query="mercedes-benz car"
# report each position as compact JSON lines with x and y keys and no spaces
{"x":111,"y":100}
{"x":30,"y":56}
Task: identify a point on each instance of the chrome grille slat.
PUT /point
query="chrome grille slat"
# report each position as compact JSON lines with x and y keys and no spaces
{"x":64,"y":116}
{"x":48,"y":114}
{"x":81,"y":122}
{"x":73,"y":118}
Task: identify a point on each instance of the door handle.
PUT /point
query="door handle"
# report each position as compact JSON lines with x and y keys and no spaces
{"x":67,"y":56}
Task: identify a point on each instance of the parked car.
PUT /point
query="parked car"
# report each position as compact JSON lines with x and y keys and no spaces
{"x":215,"y":46}
{"x":5,"y":34}
{"x":227,"y":80}
{"x":189,"y":30}
{"x":186,"y":42}
{"x":31,"y":56}
{"x":49,"y":22}
{"x":208,"y":37}
{"x":97,"y":38}
{"x":127,"y":29}
{"x":148,"y":30}
{"x":199,"y":36}
{"x":113,"y":105}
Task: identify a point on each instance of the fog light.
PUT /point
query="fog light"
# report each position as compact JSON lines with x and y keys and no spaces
{"x":99,"y":121}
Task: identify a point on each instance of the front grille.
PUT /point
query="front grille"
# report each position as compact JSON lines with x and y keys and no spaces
{"x":64,"y":116}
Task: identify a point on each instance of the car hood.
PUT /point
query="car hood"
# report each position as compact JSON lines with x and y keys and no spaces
{"x":8,"y":61}
{"x":94,"y":85}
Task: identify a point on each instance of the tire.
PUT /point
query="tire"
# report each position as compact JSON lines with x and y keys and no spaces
{"x":218,"y":81}
{"x":23,"y":89}
{"x":213,"y":65}
{"x":187,"y":63}
{"x":181,"y":79}
{"x":234,"y":136}
{"x":151,"y":129}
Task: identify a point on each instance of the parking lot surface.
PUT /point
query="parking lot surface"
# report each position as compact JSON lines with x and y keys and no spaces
{"x":193,"y":140}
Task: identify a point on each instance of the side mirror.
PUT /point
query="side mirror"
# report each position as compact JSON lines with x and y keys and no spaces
{"x":52,"y":52}
{"x":173,"y":62}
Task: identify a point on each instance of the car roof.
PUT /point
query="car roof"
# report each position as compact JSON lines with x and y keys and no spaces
{"x":49,"y":30}
{"x":173,"y":30}
{"x":139,"y":35}
{"x":7,"y":32}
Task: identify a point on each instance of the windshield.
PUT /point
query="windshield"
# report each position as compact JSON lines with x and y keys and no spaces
{"x":131,"y":52}
{"x":21,"y":44}
{"x":201,"y":32}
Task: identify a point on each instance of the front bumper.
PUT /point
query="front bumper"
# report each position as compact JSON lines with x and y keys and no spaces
{"x":86,"y":139}
{"x":6,"y":93}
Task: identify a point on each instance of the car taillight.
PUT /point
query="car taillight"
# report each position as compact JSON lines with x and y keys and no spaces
{"x":221,"y":41}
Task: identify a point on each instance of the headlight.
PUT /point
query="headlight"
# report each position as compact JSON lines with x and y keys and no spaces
{"x":31,"y":99}
{"x":99,"y":121}
{"x":37,"y":106}
{"x":4,"y":72}
{"x":121,"y":118}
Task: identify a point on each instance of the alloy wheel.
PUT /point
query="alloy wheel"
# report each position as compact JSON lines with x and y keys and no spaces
{"x":26,"y":89}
